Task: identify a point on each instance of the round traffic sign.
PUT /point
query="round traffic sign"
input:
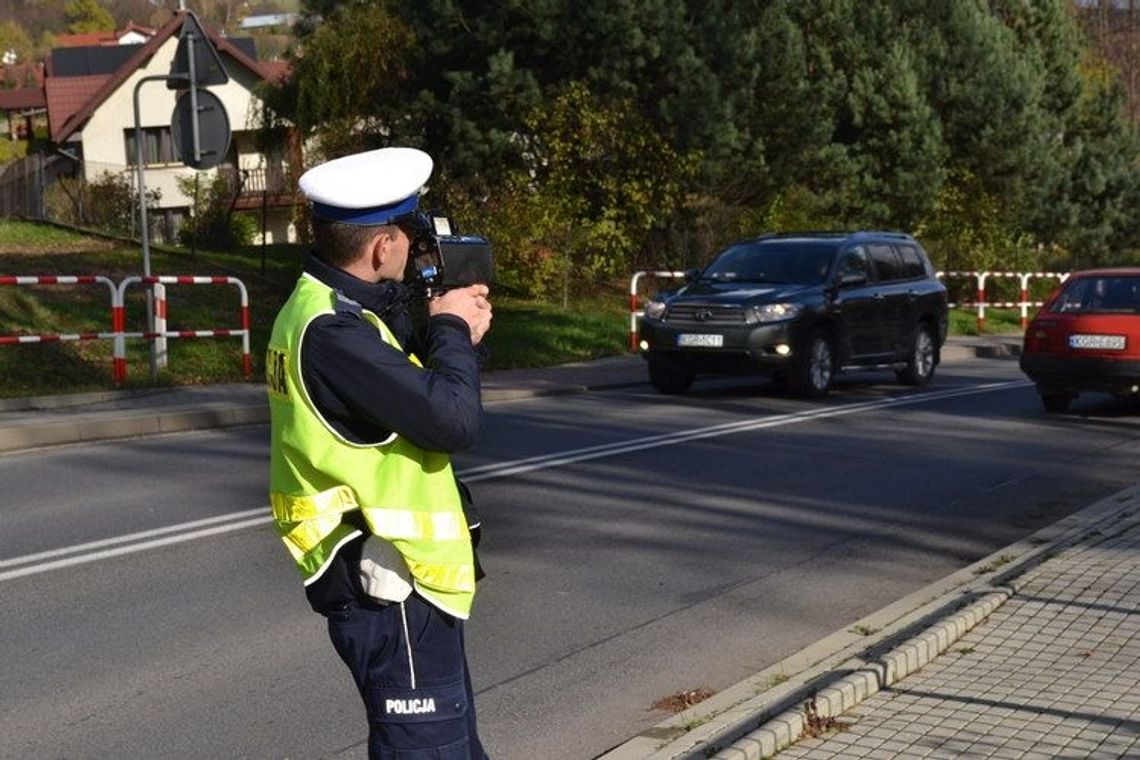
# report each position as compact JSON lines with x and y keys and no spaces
{"x":213,"y":129}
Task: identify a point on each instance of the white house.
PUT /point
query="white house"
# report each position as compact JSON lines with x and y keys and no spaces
{"x":269,"y":20}
{"x":131,"y":34}
{"x":90,"y":93}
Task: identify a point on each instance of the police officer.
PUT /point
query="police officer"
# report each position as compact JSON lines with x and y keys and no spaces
{"x":362,"y":489}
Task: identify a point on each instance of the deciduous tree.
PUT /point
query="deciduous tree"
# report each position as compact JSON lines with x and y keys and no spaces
{"x":15,"y":44}
{"x":84,"y":16}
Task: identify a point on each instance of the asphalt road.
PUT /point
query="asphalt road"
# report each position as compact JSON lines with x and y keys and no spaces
{"x":637,"y":545}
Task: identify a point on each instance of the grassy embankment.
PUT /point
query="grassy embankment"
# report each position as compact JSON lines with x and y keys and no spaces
{"x":998,"y":322}
{"x":524,"y":334}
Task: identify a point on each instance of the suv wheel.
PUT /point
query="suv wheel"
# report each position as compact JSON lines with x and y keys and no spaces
{"x":668,"y":377}
{"x":920,"y":363}
{"x":812,"y":373}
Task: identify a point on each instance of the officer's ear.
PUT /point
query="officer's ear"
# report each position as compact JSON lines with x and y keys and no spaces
{"x":379,"y":247}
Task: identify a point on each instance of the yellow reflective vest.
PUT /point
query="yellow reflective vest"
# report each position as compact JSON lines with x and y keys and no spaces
{"x":407,"y":495}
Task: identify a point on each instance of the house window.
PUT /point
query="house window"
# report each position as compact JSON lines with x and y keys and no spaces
{"x":158,"y":147}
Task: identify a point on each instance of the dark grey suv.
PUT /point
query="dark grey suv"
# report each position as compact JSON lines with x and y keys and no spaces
{"x":803,"y":307}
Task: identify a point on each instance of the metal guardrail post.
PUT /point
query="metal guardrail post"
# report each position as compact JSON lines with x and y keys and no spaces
{"x":633,"y":306}
{"x":153,"y":335}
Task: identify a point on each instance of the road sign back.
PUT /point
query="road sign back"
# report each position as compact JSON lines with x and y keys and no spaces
{"x":213,"y":130}
{"x":208,"y":69}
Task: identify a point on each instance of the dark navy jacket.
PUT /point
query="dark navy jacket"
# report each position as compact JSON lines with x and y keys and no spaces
{"x":367,"y":389}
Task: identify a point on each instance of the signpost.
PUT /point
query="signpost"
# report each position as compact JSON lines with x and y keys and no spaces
{"x":199,"y":115}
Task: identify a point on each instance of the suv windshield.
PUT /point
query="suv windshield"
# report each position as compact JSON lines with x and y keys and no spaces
{"x":783,"y":262}
{"x":1111,"y":294}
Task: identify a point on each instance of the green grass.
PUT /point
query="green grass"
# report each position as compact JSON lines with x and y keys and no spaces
{"x":530,"y":334}
{"x":998,"y":322}
{"x":523,"y":334}
{"x":17,"y":236}
{"x":43,"y":368}
{"x":12,"y":150}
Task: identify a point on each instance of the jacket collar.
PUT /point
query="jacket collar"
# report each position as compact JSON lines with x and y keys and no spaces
{"x":378,"y":297}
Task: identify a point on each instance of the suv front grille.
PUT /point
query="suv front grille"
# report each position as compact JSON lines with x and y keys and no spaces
{"x":706,"y":315}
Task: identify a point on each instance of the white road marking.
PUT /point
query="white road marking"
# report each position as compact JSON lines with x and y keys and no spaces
{"x":130,"y":537}
{"x":80,"y":559}
{"x":92,"y":551}
{"x":518,"y":466}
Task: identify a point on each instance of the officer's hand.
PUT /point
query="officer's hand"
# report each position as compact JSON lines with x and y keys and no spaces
{"x":469,"y":304}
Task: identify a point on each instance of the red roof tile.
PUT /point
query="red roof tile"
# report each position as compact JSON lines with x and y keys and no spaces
{"x":27,"y":97}
{"x":66,"y":96}
{"x":85,"y":40}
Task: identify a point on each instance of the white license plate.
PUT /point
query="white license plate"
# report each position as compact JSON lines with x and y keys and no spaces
{"x":700,"y":339}
{"x":1103,"y":342}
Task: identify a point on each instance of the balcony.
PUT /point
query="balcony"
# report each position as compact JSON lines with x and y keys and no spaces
{"x":267,"y":187}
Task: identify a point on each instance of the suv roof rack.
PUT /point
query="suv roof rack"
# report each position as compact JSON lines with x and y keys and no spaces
{"x":884,"y":233}
{"x":805,"y":233}
{"x":836,"y":233}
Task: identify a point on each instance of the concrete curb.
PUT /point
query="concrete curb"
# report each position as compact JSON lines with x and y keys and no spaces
{"x":129,"y":423}
{"x":769,"y":711}
{"x":113,"y":424}
{"x":163,"y":416}
{"x":67,"y":400}
{"x":990,"y":349}
{"x":834,"y":700}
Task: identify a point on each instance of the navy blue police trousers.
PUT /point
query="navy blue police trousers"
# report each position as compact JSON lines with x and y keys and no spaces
{"x":410,"y":667}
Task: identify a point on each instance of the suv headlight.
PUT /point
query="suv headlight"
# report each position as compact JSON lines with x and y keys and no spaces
{"x":772,"y":312}
{"x":655,"y":309}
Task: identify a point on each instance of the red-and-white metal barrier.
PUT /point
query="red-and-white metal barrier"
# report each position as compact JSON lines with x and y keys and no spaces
{"x":633,"y":307}
{"x":980,"y":303}
{"x":59,"y":280}
{"x":160,"y":316}
{"x":1023,"y":303}
{"x":118,"y":333}
{"x":633,"y":301}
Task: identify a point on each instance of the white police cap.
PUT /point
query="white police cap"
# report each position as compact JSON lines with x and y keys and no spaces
{"x":374,"y":187}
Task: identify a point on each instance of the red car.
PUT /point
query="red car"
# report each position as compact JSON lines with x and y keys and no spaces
{"x":1086,"y":338}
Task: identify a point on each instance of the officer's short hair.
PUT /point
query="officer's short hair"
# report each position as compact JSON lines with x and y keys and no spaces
{"x":339,"y":244}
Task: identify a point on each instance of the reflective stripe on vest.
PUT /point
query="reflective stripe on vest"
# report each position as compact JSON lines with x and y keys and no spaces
{"x":407,"y":495}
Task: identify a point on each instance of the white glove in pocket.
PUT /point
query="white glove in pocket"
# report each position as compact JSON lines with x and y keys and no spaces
{"x":383,"y":572}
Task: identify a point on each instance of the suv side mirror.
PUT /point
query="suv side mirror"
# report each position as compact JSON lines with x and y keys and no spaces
{"x":850,"y":279}
{"x":692,"y":275}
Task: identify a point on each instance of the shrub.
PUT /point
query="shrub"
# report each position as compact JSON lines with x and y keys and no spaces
{"x":212,"y":223}
{"x":105,"y":203}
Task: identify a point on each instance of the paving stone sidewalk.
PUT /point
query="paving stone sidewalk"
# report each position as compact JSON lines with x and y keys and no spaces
{"x":1052,"y":673}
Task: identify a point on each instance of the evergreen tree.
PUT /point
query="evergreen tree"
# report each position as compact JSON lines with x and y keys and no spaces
{"x":1098,"y":207}
{"x":884,"y":163}
{"x":975,"y":122}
